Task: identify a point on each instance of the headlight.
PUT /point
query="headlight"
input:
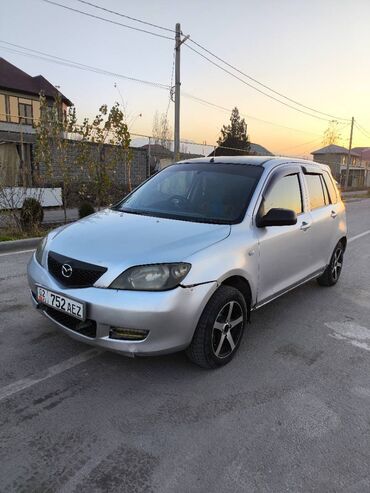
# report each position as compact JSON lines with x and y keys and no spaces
{"x":40,"y":250}
{"x":155,"y":277}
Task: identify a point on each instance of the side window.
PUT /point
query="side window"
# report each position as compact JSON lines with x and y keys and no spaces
{"x":331,"y":188}
{"x":315,"y":191}
{"x":284,"y":194}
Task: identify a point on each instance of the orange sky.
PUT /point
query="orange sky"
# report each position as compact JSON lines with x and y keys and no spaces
{"x":315,"y":52}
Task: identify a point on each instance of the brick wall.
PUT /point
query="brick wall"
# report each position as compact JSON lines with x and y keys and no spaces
{"x":119,"y":172}
{"x":79,"y":171}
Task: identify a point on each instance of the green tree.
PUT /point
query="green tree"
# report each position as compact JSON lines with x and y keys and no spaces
{"x":234,"y":136}
{"x":102,"y":148}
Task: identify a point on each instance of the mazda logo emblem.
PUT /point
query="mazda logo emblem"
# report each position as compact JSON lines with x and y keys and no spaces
{"x":66,"y":270}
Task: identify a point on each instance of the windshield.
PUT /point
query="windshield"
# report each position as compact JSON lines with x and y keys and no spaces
{"x":201,"y":192}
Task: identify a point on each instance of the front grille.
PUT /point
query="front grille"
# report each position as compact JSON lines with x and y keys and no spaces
{"x":82,"y":274}
{"x":86,"y":328}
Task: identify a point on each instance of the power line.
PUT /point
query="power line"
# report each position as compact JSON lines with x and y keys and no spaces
{"x":63,"y":61}
{"x":217,"y":57}
{"x":253,"y":87}
{"x":362,"y":130}
{"x":301,"y":145}
{"x":264,"y":85}
{"x":200,"y":54}
{"x":51,"y":2}
{"x":171,"y":83}
{"x":69,"y":63}
{"x":228,"y":110}
{"x":126,"y":16}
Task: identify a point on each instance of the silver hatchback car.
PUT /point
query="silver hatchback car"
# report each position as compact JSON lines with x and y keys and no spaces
{"x":182,"y":261}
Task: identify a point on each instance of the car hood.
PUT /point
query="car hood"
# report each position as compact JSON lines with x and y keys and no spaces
{"x":119,"y":240}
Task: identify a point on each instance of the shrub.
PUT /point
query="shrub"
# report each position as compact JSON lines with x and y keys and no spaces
{"x":31,"y":215}
{"x":85,"y":209}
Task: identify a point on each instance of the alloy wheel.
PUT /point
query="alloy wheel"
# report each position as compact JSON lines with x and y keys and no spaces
{"x":337,"y":263}
{"x":227,"y":329}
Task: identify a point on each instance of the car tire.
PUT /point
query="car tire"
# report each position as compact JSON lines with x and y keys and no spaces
{"x":332,"y":272}
{"x":220,"y":329}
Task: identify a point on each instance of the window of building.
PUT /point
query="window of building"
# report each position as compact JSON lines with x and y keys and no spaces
{"x":316,"y":191}
{"x":284,"y":194}
{"x":25,"y":113}
{"x":7,"y":108}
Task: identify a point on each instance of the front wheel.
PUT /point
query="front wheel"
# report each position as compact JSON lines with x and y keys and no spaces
{"x":220,"y":329}
{"x":332,"y":272}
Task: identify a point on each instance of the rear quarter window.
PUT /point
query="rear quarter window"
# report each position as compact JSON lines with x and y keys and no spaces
{"x":315,"y":191}
{"x":331,"y":188}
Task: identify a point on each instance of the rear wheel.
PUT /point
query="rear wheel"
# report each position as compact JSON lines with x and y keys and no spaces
{"x":220,"y":329}
{"x":334,"y":269}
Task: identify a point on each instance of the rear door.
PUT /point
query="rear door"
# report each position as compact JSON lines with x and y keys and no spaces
{"x":324,"y":215}
{"x":285,"y":251}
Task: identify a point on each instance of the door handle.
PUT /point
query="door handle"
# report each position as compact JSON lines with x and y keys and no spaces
{"x":333,"y":214}
{"x":305,"y":226}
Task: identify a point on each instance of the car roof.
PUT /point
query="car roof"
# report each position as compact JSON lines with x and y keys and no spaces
{"x":265,"y":161}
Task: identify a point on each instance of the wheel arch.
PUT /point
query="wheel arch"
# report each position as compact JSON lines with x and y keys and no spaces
{"x":344,"y":241}
{"x":242,"y":285}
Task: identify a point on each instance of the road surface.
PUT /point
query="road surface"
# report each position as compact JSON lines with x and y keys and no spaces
{"x":290,"y":413}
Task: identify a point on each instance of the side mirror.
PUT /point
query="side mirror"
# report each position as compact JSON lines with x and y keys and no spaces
{"x":278,"y":217}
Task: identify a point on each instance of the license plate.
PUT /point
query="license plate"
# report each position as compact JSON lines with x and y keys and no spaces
{"x":62,"y":303}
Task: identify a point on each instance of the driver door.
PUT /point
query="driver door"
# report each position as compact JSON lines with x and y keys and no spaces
{"x":284,"y":251}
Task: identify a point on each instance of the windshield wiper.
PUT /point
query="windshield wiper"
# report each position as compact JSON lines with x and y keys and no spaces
{"x":139,"y":213}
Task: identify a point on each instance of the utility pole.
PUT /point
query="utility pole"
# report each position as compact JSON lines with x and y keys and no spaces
{"x":176,"y":148}
{"x":178,"y":43}
{"x":349,"y":154}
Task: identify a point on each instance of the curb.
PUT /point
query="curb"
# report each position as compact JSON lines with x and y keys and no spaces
{"x":13,"y":246}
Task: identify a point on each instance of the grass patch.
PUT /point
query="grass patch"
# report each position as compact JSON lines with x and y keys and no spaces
{"x":4,"y":237}
{"x":10,"y":235}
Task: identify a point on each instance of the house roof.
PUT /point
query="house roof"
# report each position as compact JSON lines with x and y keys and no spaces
{"x":255,"y":149}
{"x":260,"y":150}
{"x":14,"y":79}
{"x":364,"y":152}
{"x":334,"y":149}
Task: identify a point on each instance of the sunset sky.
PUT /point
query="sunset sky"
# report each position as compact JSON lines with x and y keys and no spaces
{"x":316,"y":52}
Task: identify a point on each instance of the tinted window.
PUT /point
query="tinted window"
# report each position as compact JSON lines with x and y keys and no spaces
{"x":331,"y":188}
{"x":315,"y":191}
{"x":284,"y":194}
{"x":203,"y":192}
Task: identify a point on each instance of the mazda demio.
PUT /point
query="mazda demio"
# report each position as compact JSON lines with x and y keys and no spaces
{"x":180,"y":263}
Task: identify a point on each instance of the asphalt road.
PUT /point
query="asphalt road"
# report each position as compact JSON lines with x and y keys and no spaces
{"x":290,"y":413}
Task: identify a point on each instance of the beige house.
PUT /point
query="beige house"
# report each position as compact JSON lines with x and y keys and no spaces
{"x":19,"y":112}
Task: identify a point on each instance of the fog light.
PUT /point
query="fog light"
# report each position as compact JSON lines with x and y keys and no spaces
{"x":128,"y":334}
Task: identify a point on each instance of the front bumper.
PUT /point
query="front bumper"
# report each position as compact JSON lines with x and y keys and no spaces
{"x":170,"y":316}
